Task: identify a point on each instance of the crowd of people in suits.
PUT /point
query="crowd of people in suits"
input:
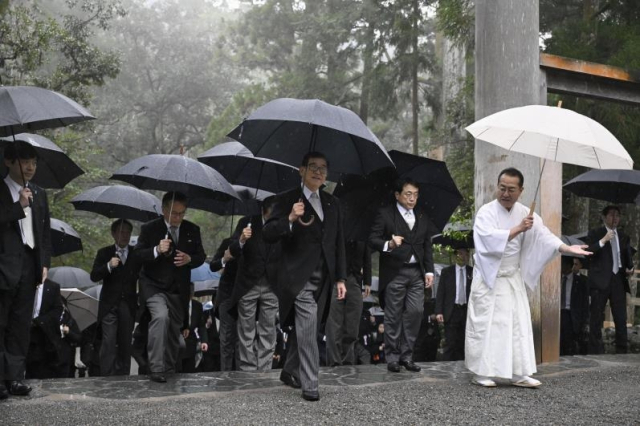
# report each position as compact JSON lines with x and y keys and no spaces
{"x":290,"y":295}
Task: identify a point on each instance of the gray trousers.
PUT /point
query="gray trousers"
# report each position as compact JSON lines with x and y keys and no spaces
{"x":303,"y":357}
{"x":343,"y":324}
{"x":164,"y":332}
{"x":228,"y":335}
{"x":257,"y":341}
{"x":404,"y":299}
{"x":115,"y":350}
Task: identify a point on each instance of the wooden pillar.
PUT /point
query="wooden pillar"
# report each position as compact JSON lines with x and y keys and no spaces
{"x":507,"y":75}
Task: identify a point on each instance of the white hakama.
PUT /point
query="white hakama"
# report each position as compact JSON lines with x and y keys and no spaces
{"x":499,"y":337}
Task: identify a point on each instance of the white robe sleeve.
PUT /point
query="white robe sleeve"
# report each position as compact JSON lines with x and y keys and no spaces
{"x":538,"y":248}
{"x":490,"y":243}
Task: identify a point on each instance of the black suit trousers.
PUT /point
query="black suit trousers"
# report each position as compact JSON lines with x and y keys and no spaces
{"x":115,"y":351}
{"x":617,"y":298}
{"x":454,"y":331}
{"x":16,"y":312}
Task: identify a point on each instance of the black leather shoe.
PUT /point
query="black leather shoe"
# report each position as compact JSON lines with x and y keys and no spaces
{"x":290,"y":380}
{"x":411,"y":366}
{"x":4,"y":393}
{"x":16,"y":387}
{"x":311,"y":395}
{"x":158,"y":377}
{"x":394,"y":367}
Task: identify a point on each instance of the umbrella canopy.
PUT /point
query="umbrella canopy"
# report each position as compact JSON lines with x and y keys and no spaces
{"x":70,"y":277}
{"x":55,"y":168}
{"x":456,"y":236}
{"x":29,"y":108}
{"x":205,"y":288}
{"x":250,"y":203}
{"x":94,"y":291}
{"x":64,"y":239}
{"x":164,"y":172}
{"x":119,"y":201}
{"x":203,"y":273}
{"x":286,"y":129}
{"x":82,"y":307}
{"x":361,"y":197}
{"x":238,"y":165}
{"x":571,"y":240}
{"x":614,"y":186}
{"x":555,"y":134}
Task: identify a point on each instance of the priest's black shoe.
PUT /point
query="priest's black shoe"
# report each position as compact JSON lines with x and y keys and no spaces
{"x":394,"y":367}
{"x":158,"y":377}
{"x":4,"y":393}
{"x":411,"y":366}
{"x":16,"y":387}
{"x":311,"y":395}
{"x":290,"y":380}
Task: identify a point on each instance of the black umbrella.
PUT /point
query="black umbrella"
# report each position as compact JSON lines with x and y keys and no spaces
{"x":29,"y":108}
{"x":164,"y":172}
{"x":286,"y":129}
{"x":119,"y":201}
{"x":439,"y":195}
{"x":612,"y":185}
{"x":361,"y":197}
{"x":456,"y":236}
{"x":250,"y":203}
{"x":64,"y":239}
{"x":70,"y":277}
{"x":238,"y":165}
{"x":55,"y":168}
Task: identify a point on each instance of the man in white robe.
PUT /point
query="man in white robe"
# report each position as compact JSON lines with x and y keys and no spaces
{"x":512,"y":248}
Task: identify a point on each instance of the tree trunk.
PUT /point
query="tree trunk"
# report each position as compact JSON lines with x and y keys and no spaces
{"x":415,"y":106}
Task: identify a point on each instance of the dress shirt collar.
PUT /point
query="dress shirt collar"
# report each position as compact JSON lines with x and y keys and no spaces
{"x":14,"y":187}
{"x":169,"y":225}
{"x":125,"y":248}
{"x":402,"y":210}
{"x":461,"y":267}
{"x":307,"y":192}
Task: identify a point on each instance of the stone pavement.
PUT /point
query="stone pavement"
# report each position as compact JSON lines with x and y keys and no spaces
{"x":576,"y":390}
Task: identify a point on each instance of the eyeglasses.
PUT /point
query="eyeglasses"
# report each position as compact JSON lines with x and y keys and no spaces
{"x":318,"y":169}
{"x":410,"y":194}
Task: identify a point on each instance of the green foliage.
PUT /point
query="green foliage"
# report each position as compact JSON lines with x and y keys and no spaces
{"x":456,"y":20}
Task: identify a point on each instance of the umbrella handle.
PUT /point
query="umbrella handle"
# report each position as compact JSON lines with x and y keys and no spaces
{"x":309,"y":222}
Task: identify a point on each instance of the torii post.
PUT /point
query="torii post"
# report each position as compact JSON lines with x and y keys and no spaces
{"x":510,"y":71}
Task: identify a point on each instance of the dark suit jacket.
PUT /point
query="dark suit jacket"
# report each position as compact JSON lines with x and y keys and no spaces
{"x":417,"y":242}
{"x":11,"y":237}
{"x":120,"y":283}
{"x":579,"y":302}
{"x":256,"y":259}
{"x":197,"y":329}
{"x":228,"y":278}
{"x":446,"y":296}
{"x":601,"y":262}
{"x":304,"y":246}
{"x":359,"y":261}
{"x":45,"y":329}
{"x":159,"y":274}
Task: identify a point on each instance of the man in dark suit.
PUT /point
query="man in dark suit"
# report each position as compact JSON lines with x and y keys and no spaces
{"x":451,"y":304}
{"x":401,"y":233}
{"x":115,"y":265}
{"x":344,"y":315}
{"x":196,"y":333}
{"x":44,"y":344}
{"x":224,"y":304}
{"x":574,"y":309}
{"x":610,"y":265}
{"x":25,"y":254}
{"x":309,"y":227}
{"x":254,"y":291}
{"x":168,"y":248}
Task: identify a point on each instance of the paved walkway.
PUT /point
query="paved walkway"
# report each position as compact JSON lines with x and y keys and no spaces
{"x":577,"y":390}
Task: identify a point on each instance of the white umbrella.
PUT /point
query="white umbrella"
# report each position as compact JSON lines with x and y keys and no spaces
{"x":555,"y":134}
{"x":83,"y":308}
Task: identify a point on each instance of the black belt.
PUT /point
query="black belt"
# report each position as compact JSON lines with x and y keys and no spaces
{"x":459,"y":306}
